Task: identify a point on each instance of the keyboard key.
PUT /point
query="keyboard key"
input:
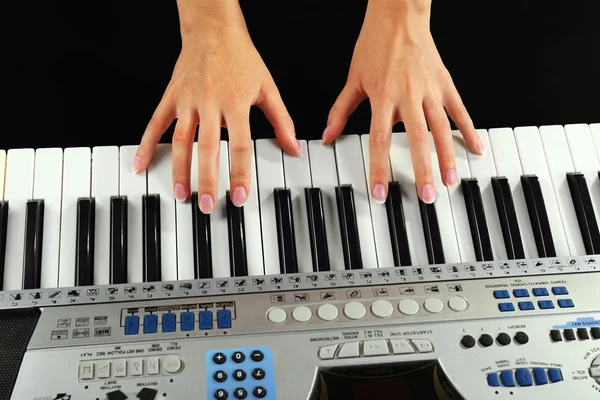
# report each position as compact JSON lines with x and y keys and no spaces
{"x":560,"y":290}
{"x":3,"y":231}
{"x":152,"y":238}
{"x":397,"y":225}
{"x":565,"y":303}
{"x":545,"y":304}
{"x":254,"y":244}
{"x":202,"y":245}
{"x":586,"y":218}
{"x":219,"y":234}
{"x":2,"y":172}
{"x":431,"y":230}
{"x":508,"y":219}
{"x":118,"y":240}
{"x":317,"y":229}
{"x":84,"y":248}
{"x":595,"y":131}
{"x":540,"y":292}
{"x":237,"y":239}
{"x":538,"y":216}
{"x":187,"y":266}
{"x":34,"y":233}
{"x":480,"y":237}
{"x":349,"y":227}
{"x":288,"y":259}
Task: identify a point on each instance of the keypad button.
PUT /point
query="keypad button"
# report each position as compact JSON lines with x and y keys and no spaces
{"x":168,"y":322}
{"x":240,"y":393}
{"x":505,"y":307}
{"x":555,"y":335}
{"x":503,"y":339}
{"x":277,"y":315}
{"x":524,"y":377}
{"x":220,"y":376}
{"x":501,"y":294}
{"x":408,"y":307}
{"x":382,"y":308}
{"x":257,"y":356}
{"x":555,"y":375}
{"x":221,"y":394}
{"x":583,"y":334}
{"x":565,"y":303}
{"x":521,"y":337}
{"x":328,"y":312}
{"x":150,"y":323}
{"x":493,"y":380}
{"x":508,"y":378}
{"x":239,"y":375}
{"x":132,"y":325}
{"x":569,"y":335}
{"x":187,"y":321}
{"x":355,"y":310}
{"x":457,"y":304}
{"x":238,"y":357}
{"x":526,"y":306}
{"x":219,"y":358}
{"x":206,"y":320}
{"x":86,"y":370}
{"x":559,"y":290}
{"x":258,"y":373}
{"x":224,"y":319}
{"x":467,"y":341}
{"x":545,"y":304}
{"x":540,"y":292}
{"x":521,"y":293}
{"x":486,"y":340}
{"x":172,"y":364}
{"x":540,"y":376}
{"x":259,"y":392}
{"x":595,"y":332}
{"x":434,"y":305}
{"x":302,"y":314}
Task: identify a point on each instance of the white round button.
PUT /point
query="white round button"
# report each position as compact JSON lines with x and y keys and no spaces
{"x":408,"y":307}
{"x":172,"y":364}
{"x":302,"y":314}
{"x":434,"y":305}
{"x":457,"y":304}
{"x":355,"y":310}
{"x":277,"y":315}
{"x":327,"y":312}
{"x":382,"y":308}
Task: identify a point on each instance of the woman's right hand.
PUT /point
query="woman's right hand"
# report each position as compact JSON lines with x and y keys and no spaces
{"x":219,"y":75}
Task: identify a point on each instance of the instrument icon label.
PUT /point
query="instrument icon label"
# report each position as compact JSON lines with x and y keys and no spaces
{"x":93,"y":292}
{"x":185,"y":286}
{"x":435,"y":270}
{"x":222,"y":284}
{"x":81,"y":333}
{"x":102,"y":332}
{"x":366,"y":274}
{"x":203,"y":285}
{"x":470,"y":268}
{"x":294,"y":279}
{"x":277,"y":298}
{"x":149,"y":288}
{"x":487,"y":267}
{"x":101,"y":320}
{"x":353,"y":294}
{"x":432,"y":289}
{"x":84,"y":321}
{"x":258,"y":281}
{"x":348,"y":275}
{"x":73,"y":293}
{"x":401,"y":272}
{"x":35,"y":295}
{"x":130,"y":289}
{"x":276,"y":280}
{"x":240,"y":282}
{"x":63,"y":323}
{"x":539,"y":263}
{"x":301,"y":297}
{"x":407,"y":290}
{"x":590,"y":261}
{"x":327,"y":295}
{"x":312,"y":278}
{"x":455,"y":287}
{"x":383,"y":274}
{"x":59,"y":335}
{"x":330,"y":277}
{"x":505,"y":266}
{"x":521,"y":264}
{"x":418,"y":271}
{"x":380,"y":292}
{"x":111,"y":291}
{"x":168,"y":287}
{"x":453,"y":269}
{"x":15,"y":296}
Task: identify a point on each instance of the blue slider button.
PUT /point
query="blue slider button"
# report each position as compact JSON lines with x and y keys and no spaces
{"x":224,"y":319}
{"x":555,"y":375}
{"x":150,"y":323}
{"x":132,"y":325}
{"x":206,"y":320}
{"x":168,"y":322}
{"x":187,"y":321}
{"x":524,"y":377}
{"x":493,"y":380}
{"x":540,"y":375}
{"x":508,"y":378}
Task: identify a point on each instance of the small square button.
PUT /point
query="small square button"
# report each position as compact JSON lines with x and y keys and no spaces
{"x":501,"y":294}
{"x":526,"y":305}
{"x":565,"y":303}
{"x":521,"y":293}
{"x":545,"y":304}
{"x":504,"y":307}
{"x":560,"y":290}
{"x":103,"y":369}
{"x":540,"y":292}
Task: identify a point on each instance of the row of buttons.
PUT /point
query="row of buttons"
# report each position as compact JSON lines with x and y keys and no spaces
{"x":379,"y":347}
{"x":525,"y":377}
{"x":486,"y":340}
{"x":556,"y":290}
{"x":169,"y":322}
{"x":356,"y":310}
{"x":121,"y":368}
{"x":542,"y":304}
{"x":582,"y":334}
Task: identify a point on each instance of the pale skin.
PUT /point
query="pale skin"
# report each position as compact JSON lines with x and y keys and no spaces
{"x":220,"y":75}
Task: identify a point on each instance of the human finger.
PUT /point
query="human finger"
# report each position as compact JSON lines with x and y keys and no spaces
{"x":442,"y":137}
{"x":161,"y":119}
{"x":209,"y":135}
{"x":349,"y":98}
{"x":240,"y":154}
{"x":183,"y":138}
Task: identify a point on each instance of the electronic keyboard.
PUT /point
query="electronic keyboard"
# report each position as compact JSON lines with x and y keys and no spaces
{"x":110,"y":289}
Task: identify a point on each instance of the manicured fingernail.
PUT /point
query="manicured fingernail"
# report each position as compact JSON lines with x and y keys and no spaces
{"x":379,"y":193}
{"x":137,"y":164}
{"x":325,"y":132}
{"x":238,"y":196}
{"x":450,"y":177}
{"x":480,"y":146}
{"x":427,"y":194}
{"x":206,"y":204}
{"x":180,"y":192}
{"x":298,"y":148}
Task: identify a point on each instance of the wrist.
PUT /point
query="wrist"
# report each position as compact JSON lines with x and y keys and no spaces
{"x":405,"y":17}
{"x":209,"y":16}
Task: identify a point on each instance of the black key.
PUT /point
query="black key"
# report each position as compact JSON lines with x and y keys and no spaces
{"x":34,"y":237}
{"x":585,"y":212}
{"x":151,"y":229}
{"x":86,"y":229}
{"x":3,"y":233}
{"x":508,"y":219}
{"x":237,"y":239}
{"x":397,"y":225}
{"x":538,"y":216}
{"x":348,"y":227}
{"x":118,"y":240}
{"x":202,"y":242}
{"x":288,"y":262}
{"x":431,"y":230}
{"x":477,"y":220}
{"x":316,"y":228}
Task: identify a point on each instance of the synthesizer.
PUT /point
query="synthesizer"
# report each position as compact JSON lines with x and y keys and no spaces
{"x":112,"y":290}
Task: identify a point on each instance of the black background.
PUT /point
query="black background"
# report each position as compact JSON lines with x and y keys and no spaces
{"x":90,"y":73}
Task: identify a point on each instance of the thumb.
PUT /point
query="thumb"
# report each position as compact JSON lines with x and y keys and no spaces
{"x":272,"y":106}
{"x":349,"y":98}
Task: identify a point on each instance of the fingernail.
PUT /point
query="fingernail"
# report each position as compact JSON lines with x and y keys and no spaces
{"x":325,"y":132}
{"x":137,"y":164}
{"x":298,"y":148}
{"x":238,"y":196}
{"x":480,"y":146}
{"x":379,"y":193}
{"x":180,"y":192}
{"x":206,"y":204}
{"x":427,"y":194}
{"x":450,"y":177}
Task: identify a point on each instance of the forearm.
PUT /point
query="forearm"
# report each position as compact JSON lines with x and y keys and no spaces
{"x":209,"y":16}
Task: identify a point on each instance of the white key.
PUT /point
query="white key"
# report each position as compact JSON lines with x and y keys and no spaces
{"x":443,"y":211}
{"x":254,"y":249}
{"x":269,"y":168}
{"x":457,"y":202}
{"x":134,"y":187}
{"x":18,"y":189}
{"x":483,"y":169}
{"x":324,"y":176}
{"x":2,"y":172}
{"x":594,"y":129}
{"x":380,"y":226}
{"x":348,"y":153}
{"x":508,"y":165}
{"x":297,"y":178}
{"x":185,"y":236}
{"x":585,"y":160}
{"x":47,"y":186}
{"x":219,"y":233}
{"x":403,"y":173}
{"x":533,"y":162}
{"x":160,"y":181}
{"x":559,"y":163}
{"x":105,"y":183}
{"x":76,"y":184}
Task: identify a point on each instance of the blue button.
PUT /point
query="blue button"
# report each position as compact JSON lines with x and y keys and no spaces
{"x":541,"y":378}
{"x":506,"y":307}
{"x":565,"y":303}
{"x":508,"y":379}
{"x":206,"y":319}
{"x":224,"y":319}
{"x":526,"y":305}
{"x":150,"y":323}
{"x":558,"y":290}
{"x":168,"y":322}
{"x":521,"y":293}
{"x":545,"y":304}
{"x":493,"y":380}
{"x":524,"y":377}
{"x":501,"y":294}
{"x":187,"y":321}
{"x":555,"y":375}
{"x":132,"y":325}
{"x":540,"y":291}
